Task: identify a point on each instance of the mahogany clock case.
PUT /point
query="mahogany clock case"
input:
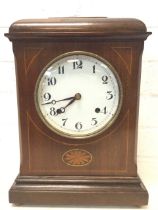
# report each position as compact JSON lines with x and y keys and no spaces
{"x":57,"y":170}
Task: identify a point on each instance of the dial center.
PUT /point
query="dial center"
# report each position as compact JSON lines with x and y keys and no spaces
{"x":77,"y":96}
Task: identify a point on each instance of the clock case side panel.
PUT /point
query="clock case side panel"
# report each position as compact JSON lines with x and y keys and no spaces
{"x":138,"y":78}
{"x":135,"y":96}
{"x":21,"y":102}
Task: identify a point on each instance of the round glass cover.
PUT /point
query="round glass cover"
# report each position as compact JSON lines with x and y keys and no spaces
{"x":78,"y":95}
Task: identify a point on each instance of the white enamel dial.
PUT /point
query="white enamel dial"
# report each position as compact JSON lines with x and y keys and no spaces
{"x":78,"y":95}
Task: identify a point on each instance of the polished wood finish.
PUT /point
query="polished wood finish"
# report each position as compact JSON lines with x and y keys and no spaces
{"x":80,"y":190}
{"x":111,"y":177}
{"x":109,"y":28}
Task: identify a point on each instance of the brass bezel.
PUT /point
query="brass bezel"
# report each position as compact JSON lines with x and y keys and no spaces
{"x":99,"y":131}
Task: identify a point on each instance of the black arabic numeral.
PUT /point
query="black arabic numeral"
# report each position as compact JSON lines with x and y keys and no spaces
{"x":105,"y":110}
{"x":109,"y":95}
{"x":64,"y":121}
{"x":77,"y":64}
{"x":53,"y":111}
{"x":94,"y":121}
{"x":51,"y":81}
{"x":105,"y":79}
{"x":78,"y":126}
{"x":94,"y":69}
{"x":61,"y":70}
{"x":47,"y":96}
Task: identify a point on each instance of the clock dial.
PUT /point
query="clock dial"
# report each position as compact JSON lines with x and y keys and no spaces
{"x":78,"y":95}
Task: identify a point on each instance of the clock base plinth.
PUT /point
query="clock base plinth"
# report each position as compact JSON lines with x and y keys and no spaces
{"x":78,"y":190}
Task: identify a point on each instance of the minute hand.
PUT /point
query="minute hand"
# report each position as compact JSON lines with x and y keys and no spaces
{"x":54,"y":101}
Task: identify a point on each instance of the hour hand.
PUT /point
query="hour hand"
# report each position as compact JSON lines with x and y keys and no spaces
{"x":62,"y":109}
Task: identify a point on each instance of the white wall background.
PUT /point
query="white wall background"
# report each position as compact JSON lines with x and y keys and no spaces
{"x":12,"y":10}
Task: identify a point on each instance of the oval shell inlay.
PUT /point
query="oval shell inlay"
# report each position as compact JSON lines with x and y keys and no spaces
{"x":77,"y":157}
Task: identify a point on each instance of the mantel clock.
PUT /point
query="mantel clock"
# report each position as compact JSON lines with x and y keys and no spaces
{"x":78,"y":94}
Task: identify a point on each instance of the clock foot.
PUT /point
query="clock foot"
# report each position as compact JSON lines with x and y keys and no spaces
{"x":82,"y":191}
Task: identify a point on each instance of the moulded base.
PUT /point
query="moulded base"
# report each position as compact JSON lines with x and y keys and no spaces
{"x":78,"y":191}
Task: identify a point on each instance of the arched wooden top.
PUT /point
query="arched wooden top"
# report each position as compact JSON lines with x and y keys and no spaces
{"x":108,"y":28}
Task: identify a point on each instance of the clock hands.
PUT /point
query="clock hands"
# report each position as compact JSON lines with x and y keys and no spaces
{"x":62,"y":109}
{"x":54,"y":101}
{"x":74,"y":98}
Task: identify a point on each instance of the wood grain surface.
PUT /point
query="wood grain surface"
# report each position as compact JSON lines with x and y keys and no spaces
{"x":120,"y":42}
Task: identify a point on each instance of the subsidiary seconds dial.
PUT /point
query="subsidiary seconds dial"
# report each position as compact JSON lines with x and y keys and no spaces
{"x":78,"y":95}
